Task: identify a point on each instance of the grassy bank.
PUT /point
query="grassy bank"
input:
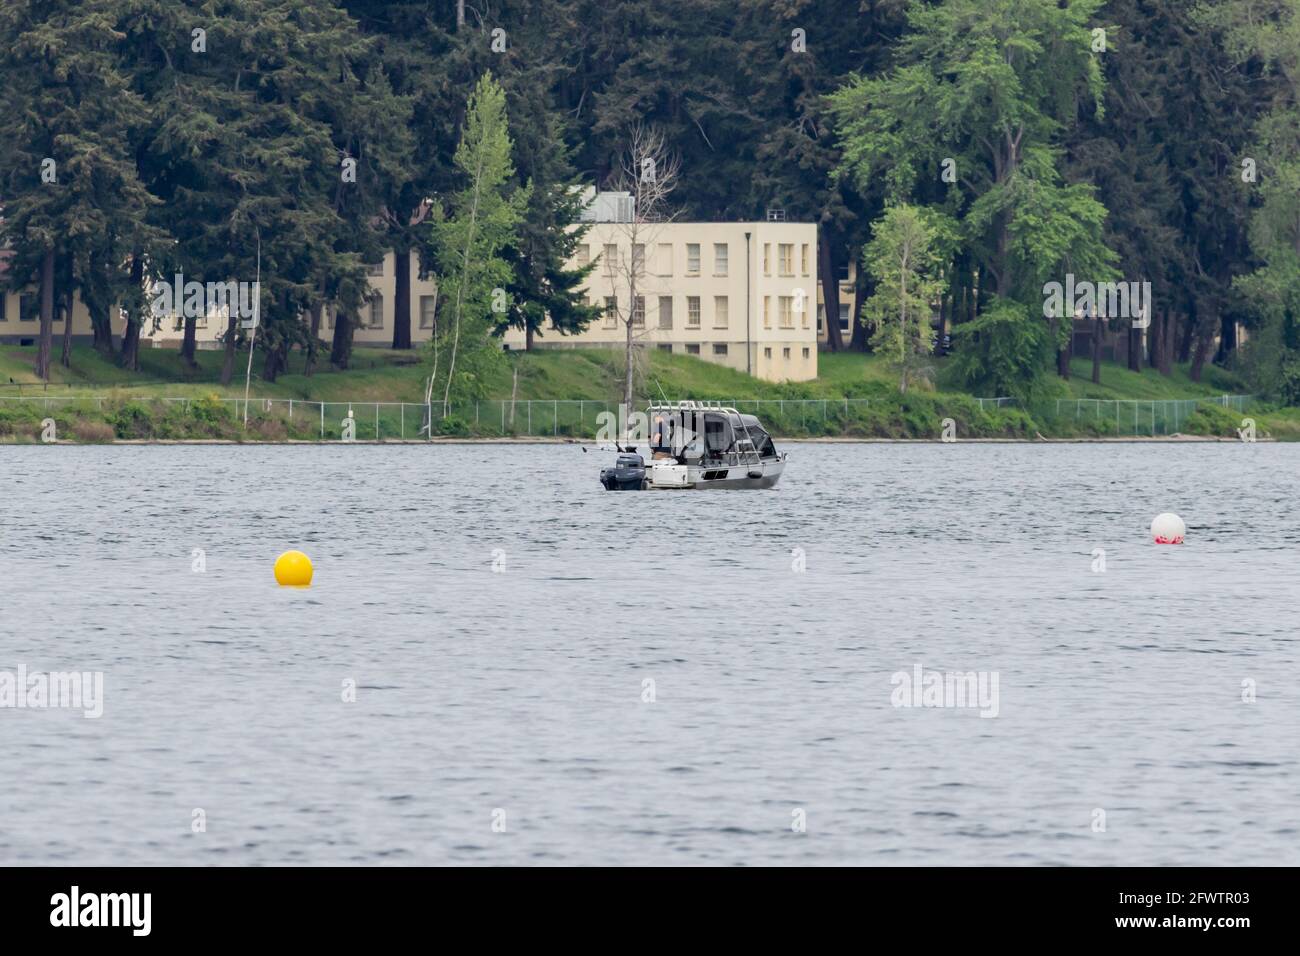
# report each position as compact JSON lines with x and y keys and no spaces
{"x":854,"y":396}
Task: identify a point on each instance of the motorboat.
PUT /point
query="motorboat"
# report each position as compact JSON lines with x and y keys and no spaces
{"x":697,"y":445}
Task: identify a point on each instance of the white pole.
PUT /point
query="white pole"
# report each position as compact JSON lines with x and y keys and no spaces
{"x":257,"y":309}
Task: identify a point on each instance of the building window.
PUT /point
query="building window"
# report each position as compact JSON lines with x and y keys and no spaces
{"x":785,"y":310}
{"x":638,"y":312}
{"x":611,"y":259}
{"x":427,"y":305}
{"x":803,"y":258}
{"x":786,"y":253}
{"x":720,"y":312}
{"x":665,"y":312}
{"x":377,"y":312}
{"x":821,"y":317}
{"x":806,"y":353}
{"x":29,"y":308}
{"x":692,"y":258}
{"x":665,"y":258}
{"x":327,"y":313}
{"x":842,"y":272}
{"x":375,"y":268}
{"x":692,"y":348}
{"x":693,"y":311}
{"x":844,"y":316}
{"x":785,"y":354}
{"x":665,"y":347}
{"x":584,"y":254}
{"x":638,"y":259}
{"x":767,"y":311}
{"x":611,"y":311}
{"x":4,"y":306}
{"x":767,"y":258}
{"x":767,"y":353}
{"x":720,"y":348}
{"x":721,"y":254}
{"x":801,"y":306}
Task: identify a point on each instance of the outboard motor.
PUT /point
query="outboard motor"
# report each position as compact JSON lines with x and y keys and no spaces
{"x":628,"y":474}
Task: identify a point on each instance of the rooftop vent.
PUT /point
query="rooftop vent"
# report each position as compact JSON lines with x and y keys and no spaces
{"x":610,"y":207}
{"x":776,"y":215}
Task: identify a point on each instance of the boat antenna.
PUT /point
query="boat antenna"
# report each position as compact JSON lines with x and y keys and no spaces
{"x":661,"y":391}
{"x":257,"y":316}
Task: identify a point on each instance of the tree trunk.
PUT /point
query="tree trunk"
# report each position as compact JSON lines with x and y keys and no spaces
{"x":275,"y":362}
{"x":528,"y":338}
{"x":313,"y":338}
{"x":1227,"y":338}
{"x":1065,"y":352}
{"x":858,"y":340}
{"x":1200,"y":354}
{"x":188,"y":344}
{"x":1153,"y":333}
{"x":341,"y":350}
{"x":130,"y":357}
{"x":1166,"y":358}
{"x":627,"y":372}
{"x":1098,"y":334}
{"x":66,"y":358}
{"x":228,"y":359}
{"x":402,"y":300}
{"x":1134,"y":349}
{"x":47,"y":316}
{"x":1185,"y":340}
{"x":830,"y":294}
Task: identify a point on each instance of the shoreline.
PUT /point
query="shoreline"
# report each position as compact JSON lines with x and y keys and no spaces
{"x":542,"y":440}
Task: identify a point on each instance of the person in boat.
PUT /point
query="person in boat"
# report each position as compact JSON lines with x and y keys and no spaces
{"x":661,"y":443}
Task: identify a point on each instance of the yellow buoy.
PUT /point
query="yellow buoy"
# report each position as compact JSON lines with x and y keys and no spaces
{"x":293,"y":569}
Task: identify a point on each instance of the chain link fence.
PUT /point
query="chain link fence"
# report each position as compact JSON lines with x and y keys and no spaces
{"x":582,"y":418}
{"x":1134,"y":417}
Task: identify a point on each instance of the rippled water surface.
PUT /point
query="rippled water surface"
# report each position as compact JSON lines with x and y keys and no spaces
{"x":524,"y":690}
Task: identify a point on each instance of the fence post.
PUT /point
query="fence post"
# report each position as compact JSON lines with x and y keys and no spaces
{"x":555,"y":418}
{"x":322,"y":421}
{"x":401,"y":418}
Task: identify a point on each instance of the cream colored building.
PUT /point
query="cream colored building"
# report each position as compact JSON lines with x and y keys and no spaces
{"x":740,"y":294}
{"x":20,"y":316}
{"x":847,"y":276}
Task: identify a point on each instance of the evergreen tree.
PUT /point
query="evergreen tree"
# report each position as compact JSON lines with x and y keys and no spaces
{"x":470,"y":236}
{"x":74,"y":203}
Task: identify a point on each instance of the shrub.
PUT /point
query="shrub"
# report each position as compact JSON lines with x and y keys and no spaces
{"x":91,"y":431}
{"x":1211,"y":419}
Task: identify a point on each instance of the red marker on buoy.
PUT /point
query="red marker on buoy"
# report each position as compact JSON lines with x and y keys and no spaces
{"x":1168,"y":528}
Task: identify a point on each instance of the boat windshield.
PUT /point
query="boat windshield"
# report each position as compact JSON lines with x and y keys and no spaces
{"x":717,"y":435}
{"x":762,"y":442}
{"x":758,"y":434}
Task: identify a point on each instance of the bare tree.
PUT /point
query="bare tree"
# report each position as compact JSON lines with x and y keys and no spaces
{"x":648,"y":171}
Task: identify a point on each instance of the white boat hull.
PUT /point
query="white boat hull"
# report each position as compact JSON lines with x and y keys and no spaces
{"x":666,"y":476}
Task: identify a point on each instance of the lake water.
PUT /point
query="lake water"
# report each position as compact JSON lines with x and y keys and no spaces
{"x":518,"y":696}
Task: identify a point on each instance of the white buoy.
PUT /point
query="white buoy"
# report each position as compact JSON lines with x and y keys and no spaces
{"x":1168,"y":528}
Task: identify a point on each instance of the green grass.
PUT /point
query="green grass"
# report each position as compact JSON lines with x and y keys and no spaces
{"x":132,"y":408}
{"x":1117,"y":382}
